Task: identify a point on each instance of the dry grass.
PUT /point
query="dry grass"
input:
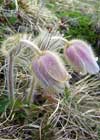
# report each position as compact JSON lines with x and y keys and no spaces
{"x":75,"y":116}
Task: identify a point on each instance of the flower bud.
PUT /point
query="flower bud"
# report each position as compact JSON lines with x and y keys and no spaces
{"x":81,"y":57}
{"x":50,"y":70}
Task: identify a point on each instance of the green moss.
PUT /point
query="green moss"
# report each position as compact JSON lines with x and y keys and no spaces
{"x":80,"y":26}
{"x":1,"y":1}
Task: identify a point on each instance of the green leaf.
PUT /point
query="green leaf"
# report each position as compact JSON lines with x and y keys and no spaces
{"x":12,"y":20}
{"x":66,"y":94}
{"x":3,"y":104}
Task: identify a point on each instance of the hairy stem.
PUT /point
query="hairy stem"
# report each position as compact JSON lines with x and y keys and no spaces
{"x":31,"y":45}
{"x":10,"y":77}
{"x":10,"y":74}
{"x":32,"y":88}
{"x":61,"y":38}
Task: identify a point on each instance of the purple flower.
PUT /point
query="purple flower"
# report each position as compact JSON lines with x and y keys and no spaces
{"x":50,"y":70}
{"x":80,"y":55}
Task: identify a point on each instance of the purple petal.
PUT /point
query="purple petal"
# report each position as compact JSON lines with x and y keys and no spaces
{"x":50,"y":80}
{"x":36,"y":69}
{"x":86,"y":54}
{"x":74,"y":59}
{"x":44,"y":77}
{"x":54,"y":67}
{"x":81,"y":56}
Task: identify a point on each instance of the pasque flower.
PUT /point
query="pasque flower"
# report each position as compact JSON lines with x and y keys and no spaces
{"x":81,"y":57}
{"x":50,"y":70}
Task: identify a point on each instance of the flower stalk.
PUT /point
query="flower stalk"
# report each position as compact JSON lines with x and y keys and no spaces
{"x":61,"y":38}
{"x":10,"y":77}
{"x":31,"y":45}
{"x":31,"y":92}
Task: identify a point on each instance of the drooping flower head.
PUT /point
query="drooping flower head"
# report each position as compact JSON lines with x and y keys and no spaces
{"x":50,"y":70}
{"x":81,"y":57}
